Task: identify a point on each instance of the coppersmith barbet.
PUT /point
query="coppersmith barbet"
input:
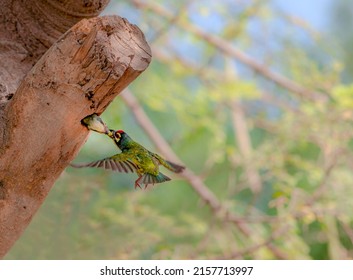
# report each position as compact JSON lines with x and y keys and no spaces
{"x":134,"y":158}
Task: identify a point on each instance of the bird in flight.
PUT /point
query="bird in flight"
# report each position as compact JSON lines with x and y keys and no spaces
{"x":133,"y":157}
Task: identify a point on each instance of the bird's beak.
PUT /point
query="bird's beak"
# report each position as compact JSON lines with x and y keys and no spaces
{"x":111,"y":133}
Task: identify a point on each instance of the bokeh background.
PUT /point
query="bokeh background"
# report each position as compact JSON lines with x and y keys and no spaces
{"x":255,"y":97}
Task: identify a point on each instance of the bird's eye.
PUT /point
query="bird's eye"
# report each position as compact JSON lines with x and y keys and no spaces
{"x":117,"y":135}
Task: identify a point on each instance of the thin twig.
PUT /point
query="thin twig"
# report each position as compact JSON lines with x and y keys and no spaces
{"x":164,"y":29}
{"x":241,"y":133}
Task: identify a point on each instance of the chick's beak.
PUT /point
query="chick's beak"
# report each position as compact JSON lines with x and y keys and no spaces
{"x":95,"y":123}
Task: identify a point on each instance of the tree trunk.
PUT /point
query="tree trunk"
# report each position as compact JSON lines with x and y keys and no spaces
{"x":41,"y":106}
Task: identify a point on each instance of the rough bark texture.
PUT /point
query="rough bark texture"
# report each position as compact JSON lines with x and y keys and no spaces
{"x":41,"y":106}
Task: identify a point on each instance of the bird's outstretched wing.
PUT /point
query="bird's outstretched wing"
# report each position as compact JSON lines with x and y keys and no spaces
{"x":119,"y":163}
{"x":167,"y":164}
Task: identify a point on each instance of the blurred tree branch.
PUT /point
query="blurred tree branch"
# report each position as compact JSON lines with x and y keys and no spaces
{"x":196,"y":182}
{"x":232,"y":51}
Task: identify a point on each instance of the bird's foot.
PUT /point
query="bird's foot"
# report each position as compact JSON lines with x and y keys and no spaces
{"x":137,"y":185}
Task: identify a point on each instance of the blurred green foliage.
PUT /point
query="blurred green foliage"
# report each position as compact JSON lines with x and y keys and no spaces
{"x":300,"y":149}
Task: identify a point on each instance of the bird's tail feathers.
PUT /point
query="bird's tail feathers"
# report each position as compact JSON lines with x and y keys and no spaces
{"x":152,"y":179}
{"x":174,"y":167}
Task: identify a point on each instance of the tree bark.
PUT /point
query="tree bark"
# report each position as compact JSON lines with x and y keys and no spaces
{"x":42,"y":106}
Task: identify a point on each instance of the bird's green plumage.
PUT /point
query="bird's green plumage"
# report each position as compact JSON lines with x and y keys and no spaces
{"x":139,"y":155}
{"x":135,"y":158}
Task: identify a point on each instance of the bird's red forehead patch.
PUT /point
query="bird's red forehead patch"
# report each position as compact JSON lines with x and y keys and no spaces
{"x":120,"y":131}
